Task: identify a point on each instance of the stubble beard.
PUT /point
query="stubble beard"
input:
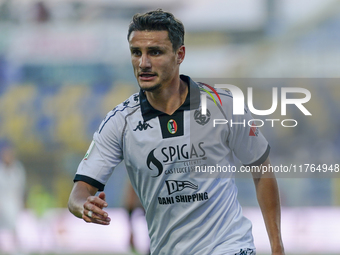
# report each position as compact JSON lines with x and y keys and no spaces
{"x":151,"y":89}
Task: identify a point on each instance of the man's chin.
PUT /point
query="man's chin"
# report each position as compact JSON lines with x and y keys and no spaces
{"x":149,"y":87}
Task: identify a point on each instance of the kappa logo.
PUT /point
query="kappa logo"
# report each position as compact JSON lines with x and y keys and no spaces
{"x":201,"y":118}
{"x":126,"y":103}
{"x":175,"y":186}
{"x":142,"y":126}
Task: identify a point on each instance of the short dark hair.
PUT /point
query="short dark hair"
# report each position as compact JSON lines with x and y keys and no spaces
{"x":159,"y":20}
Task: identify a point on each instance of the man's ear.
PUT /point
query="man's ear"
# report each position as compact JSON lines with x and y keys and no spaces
{"x":180,"y":54}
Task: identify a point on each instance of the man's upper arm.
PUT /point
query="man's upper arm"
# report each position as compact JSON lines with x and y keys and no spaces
{"x":104,"y":153}
{"x":247,"y":141}
{"x":260,"y":174}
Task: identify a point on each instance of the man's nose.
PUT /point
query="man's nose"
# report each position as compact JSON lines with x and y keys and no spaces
{"x":144,"y":62}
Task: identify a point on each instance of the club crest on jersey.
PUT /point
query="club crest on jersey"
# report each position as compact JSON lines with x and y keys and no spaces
{"x":175,"y":186}
{"x":201,"y":118}
{"x":172,"y":126}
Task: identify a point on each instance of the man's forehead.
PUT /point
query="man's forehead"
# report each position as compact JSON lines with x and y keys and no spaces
{"x":149,"y":37}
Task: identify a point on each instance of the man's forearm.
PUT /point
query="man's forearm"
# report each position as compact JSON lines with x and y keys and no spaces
{"x":80,"y":192}
{"x":268,"y":197}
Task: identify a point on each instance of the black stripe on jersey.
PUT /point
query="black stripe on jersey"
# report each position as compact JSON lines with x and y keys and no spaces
{"x":114,"y":115}
{"x":262,"y":159}
{"x":90,"y":181}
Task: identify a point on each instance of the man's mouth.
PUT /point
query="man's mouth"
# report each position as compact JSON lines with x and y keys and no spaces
{"x":146,"y":76}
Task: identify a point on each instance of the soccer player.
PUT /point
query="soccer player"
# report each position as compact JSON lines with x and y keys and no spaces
{"x":166,"y":143}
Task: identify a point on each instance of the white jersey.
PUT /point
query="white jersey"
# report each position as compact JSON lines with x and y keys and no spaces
{"x":188,"y":210}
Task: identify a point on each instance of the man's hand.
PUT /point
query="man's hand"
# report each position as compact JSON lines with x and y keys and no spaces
{"x":84,"y":204}
{"x":93,"y":210}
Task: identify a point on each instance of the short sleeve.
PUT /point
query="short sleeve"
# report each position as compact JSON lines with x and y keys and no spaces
{"x":247,"y":141}
{"x":103,"y":155}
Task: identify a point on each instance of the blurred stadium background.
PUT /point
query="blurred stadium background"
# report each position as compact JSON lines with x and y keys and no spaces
{"x":65,"y":63}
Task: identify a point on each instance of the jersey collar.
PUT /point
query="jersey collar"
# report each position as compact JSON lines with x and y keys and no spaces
{"x":192,"y":100}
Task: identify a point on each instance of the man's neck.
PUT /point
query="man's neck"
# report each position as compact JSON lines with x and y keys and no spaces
{"x":168,"y":99}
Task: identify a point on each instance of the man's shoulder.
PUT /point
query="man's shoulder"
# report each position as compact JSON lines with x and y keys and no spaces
{"x":118,"y":114}
{"x":129,"y":105}
{"x":215,"y":93}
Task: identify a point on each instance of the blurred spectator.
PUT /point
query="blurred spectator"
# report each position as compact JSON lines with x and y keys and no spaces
{"x":12,"y":191}
{"x":42,"y":13}
{"x":39,"y":200}
{"x":5,"y":10}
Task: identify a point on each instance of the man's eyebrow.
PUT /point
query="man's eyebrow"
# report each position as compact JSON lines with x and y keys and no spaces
{"x":155,"y":48}
{"x":149,"y":48}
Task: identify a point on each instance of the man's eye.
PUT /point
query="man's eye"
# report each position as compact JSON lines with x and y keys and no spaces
{"x":136,"y":53}
{"x":156,"y":52}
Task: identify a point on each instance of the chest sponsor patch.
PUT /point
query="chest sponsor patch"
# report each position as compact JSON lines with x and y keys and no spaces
{"x":175,"y":186}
